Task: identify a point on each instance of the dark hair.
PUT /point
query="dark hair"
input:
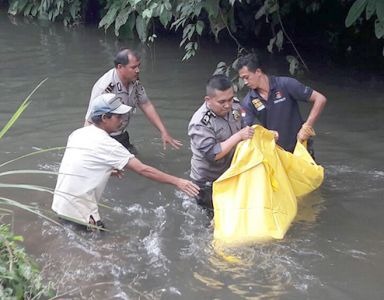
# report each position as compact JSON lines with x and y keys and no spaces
{"x":218,"y":82}
{"x":121,"y":57}
{"x":251,"y":61}
{"x":97,"y":119}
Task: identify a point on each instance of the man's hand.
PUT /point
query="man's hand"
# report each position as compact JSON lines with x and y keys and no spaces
{"x":305,"y":133}
{"x":275,"y":135}
{"x":167,"y":139}
{"x":187,"y":187}
{"x":117,"y":173}
{"x":246,"y":133}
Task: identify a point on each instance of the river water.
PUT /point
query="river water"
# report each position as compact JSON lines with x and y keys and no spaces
{"x":160,"y":243}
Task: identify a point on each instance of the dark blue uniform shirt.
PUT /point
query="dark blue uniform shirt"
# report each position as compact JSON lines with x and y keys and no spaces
{"x":280,"y":111}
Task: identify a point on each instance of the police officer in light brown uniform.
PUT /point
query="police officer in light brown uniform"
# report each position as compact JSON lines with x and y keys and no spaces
{"x":123,"y":80}
{"x":215,"y":130}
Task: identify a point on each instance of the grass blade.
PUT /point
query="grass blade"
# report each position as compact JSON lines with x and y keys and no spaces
{"x":23,"y":106}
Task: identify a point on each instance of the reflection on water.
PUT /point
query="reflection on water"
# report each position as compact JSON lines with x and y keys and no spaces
{"x":160,"y":243}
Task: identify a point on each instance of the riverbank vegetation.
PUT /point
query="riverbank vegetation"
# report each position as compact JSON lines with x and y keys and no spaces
{"x":20,"y":277}
{"x":346,"y":31}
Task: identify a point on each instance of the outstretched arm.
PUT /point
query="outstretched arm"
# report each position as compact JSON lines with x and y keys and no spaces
{"x":152,"y":173}
{"x":152,"y":115}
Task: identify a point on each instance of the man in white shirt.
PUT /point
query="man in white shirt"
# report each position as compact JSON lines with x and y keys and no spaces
{"x":91,"y":156}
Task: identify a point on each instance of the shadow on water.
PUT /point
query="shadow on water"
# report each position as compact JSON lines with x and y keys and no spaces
{"x":160,"y":246}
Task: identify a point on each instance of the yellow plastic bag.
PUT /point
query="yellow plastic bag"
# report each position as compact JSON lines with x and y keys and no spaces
{"x":255,"y":199}
{"x":303,"y":172}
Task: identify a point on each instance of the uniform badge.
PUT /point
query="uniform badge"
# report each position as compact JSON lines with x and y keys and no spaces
{"x":258,"y":104}
{"x":207,"y":117}
{"x":236,"y":114}
{"x":279,"y":97}
{"x":119,"y":88}
{"x":109,"y":88}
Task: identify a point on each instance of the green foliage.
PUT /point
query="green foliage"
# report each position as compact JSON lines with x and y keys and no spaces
{"x":372,"y":8}
{"x":19,"y":277}
{"x":67,"y":11}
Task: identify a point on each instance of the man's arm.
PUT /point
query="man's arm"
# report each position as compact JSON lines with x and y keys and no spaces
{"x":226,"y":146}
{"x":152,"y":173}
{"x":152,"y":115}
{"x":319,"y":101}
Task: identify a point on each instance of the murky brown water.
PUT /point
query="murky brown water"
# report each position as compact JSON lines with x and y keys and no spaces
{"x":160,"y":246}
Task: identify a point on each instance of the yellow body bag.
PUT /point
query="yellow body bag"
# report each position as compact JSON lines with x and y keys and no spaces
{"x":255,"y":199}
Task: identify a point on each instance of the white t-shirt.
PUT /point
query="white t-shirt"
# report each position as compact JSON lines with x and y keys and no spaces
{"x":90,"y":156}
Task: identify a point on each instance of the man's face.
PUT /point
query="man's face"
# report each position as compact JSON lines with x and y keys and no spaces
{"x":130,"y":72}
{"x":221,"y":102}
{"x":112,"y":124}
{"x":251,"y":79}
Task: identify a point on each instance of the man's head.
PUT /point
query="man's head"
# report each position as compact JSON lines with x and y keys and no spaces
{"x":250,"y":70}
{"x":127,"y":64}
{"x":219,"y":94}
{"x":107,"y":110}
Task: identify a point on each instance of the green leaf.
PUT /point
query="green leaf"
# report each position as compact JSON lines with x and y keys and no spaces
{"x":212,"y":8}
{"x":168,"y":6}
{"x":199,"y":27}
{"x":293,"y":64}
{"x":12,"y":10}
{"x":270,"y":45}
{"x":18,"y":238}
{"x":165,"y":17}
{"x":371,"y":7}
{"x":279,"y":40}
{"x":355,"y":11}
{"x":109,"y":17}
{"x":380,"y":10}
{"x":261,"y":12}
{"x":147,"y":13}
{"x":121,"y":19}
{"x":141,"y":28}
{"x":379,"y":28}
{"x":74,"y":9}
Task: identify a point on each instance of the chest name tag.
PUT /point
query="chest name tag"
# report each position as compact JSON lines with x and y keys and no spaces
{"x":258,"y":104}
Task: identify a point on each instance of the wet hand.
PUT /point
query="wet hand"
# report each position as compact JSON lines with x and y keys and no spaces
{"x":117,"y":173}
{"x":275,"y":135}
{"x":167,"y":139}
{"x":188,"y":187}
{"x":305,"y":132}
{"x":246,"y":133}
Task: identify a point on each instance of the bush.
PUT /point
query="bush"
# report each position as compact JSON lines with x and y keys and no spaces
{"x":19,"y":276}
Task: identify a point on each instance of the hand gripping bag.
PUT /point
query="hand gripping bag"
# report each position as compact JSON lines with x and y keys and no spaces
{"x":254,"y":199}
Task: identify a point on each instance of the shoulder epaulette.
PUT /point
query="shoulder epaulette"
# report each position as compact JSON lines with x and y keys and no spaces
{"x":109,"y":88}
{"x":207,"y":117}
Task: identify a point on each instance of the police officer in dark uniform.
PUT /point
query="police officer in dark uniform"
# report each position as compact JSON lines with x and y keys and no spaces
{"x":123,"y":80}
{"x":273,"y":101}
{"x":215,"y":130}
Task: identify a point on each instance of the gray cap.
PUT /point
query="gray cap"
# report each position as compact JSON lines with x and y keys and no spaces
{"x":108,"y":103}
